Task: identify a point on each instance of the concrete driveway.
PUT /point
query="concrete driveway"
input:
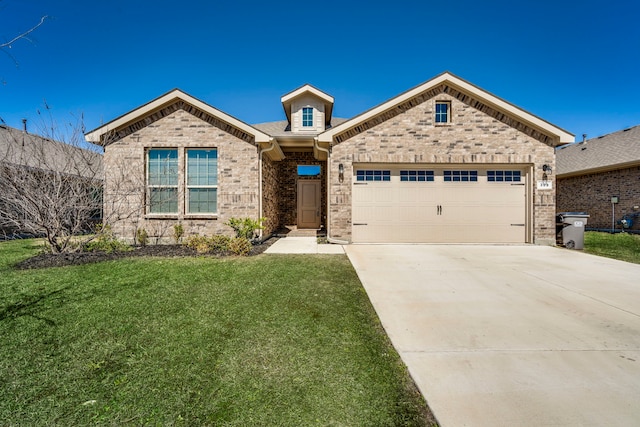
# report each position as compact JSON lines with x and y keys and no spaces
{"x":511,"y":335}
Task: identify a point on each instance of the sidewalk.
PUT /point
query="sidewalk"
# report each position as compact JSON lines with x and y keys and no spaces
{"x":303,"y":245}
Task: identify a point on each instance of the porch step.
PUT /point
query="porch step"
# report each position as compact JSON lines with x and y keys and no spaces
{"x":304,"y":232}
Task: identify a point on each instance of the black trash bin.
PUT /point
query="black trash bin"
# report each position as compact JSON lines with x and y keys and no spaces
{"x":570,"y":229}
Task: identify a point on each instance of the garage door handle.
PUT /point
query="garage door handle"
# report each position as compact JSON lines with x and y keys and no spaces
{"x":517,"y":225}
{"x":360,"y":183}
{"x":360,"y":223}
{"x":439,"y":210}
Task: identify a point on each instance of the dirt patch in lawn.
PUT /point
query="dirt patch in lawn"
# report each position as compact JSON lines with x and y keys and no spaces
{"x":45,"y":260}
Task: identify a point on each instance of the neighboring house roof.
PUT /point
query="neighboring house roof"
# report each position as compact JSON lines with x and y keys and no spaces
{"x":97,"y":135}
{"x":613,"y":151}
{"x":466,"y":92}
{"x":33,"y":151}
{"x":326,"y":99}
{"x":282,"y":128}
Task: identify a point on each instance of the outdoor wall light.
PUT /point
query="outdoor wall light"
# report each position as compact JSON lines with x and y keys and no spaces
{"x":341,"y":172}
{"x":546,"y":170}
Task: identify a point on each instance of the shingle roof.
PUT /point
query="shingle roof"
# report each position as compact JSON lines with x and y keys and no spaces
{"x":613,"y":151}
{"x":282,"y":128}
{"x":26,"y":149}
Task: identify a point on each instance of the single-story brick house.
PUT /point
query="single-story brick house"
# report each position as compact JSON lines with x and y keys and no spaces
{"x":593,"y":172}
{"x":442,"y":162}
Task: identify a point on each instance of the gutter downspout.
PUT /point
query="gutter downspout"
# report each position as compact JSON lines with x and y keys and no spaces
{"x":329,"y":238}
{"x":260,"y":213}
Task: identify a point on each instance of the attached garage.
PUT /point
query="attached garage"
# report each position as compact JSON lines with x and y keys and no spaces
{"x":444,"y":162}
{"x":440,"y":204}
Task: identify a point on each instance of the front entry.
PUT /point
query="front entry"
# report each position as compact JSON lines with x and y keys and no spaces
{"x":309,"y":203}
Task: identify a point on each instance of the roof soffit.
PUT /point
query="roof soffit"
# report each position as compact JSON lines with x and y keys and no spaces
{"x":464,"y":92}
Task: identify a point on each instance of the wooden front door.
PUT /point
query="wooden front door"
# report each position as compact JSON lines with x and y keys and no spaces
{"x":309,"y":203}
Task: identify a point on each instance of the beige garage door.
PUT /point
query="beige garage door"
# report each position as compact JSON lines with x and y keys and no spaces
{"x":424,"y":204}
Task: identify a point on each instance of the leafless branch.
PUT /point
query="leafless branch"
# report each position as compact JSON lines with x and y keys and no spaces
{"x":4,"y":47}
{"x":25,"y":35}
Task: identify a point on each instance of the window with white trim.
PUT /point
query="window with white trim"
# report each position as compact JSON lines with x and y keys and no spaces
{"x":162,"y":180}
{"x":460,"y":176}
{"x":307,"y":117}
{"x":443,"y":112}
{"x":416,"y":175}
{"x":202,"y":181}
{"x":373,"y":175}
{"x":504,"y":176}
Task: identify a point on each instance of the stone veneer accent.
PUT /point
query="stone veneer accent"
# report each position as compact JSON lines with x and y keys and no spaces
{"x":174,"y":127}
{"x":410,"y":136}
{"x":592,"y":193}
{"x":288,"y":185}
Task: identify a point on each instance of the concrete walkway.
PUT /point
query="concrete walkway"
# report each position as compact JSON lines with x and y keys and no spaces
{"x":511,"y":335}
{"x":303,"y":245}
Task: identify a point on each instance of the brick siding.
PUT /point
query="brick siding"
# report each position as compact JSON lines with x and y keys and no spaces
{"x":288,"y":185}
{"x":592,"y":194}
{"x":270,"y":196}
{"x":472,"y":137}
{"x":124,"y":162}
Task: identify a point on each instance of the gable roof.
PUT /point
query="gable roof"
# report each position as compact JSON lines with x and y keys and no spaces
{"x":461,"y":89}
{"x":616,"y":150}
{"x":97,"y":135}
{"x":327,"y":100}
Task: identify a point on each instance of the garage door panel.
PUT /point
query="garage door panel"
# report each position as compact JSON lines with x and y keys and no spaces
{"x":402,"y":233}
{"x":439,"y":211}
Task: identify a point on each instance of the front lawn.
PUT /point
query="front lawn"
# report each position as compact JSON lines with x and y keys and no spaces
{"x":262,"y":341}
{"x":622,"y":246}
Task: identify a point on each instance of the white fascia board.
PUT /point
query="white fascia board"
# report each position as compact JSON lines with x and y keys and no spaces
{"x":306,"y":88}
{"x":176,"y":94}
{"x":486,"y":97}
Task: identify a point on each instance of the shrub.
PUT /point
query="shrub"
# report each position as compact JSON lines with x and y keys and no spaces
{"x":219,"y":243}
{"x":213,"y":244}
{"x":198,"y":243}
{"x":105,"y":241}
{"x":142,"y":237}
{"x":240,"y":246}
{"x":245,"y":227}
{"x":178,"y":232}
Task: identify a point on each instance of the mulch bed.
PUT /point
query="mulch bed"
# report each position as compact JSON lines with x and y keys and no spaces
{"x":45,"y":260}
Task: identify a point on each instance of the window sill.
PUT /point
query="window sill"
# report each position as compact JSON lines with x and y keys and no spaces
{"x":161,"y":216}
{"x":201,"y":216}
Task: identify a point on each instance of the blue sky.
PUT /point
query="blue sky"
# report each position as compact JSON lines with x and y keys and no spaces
{"x":574,"y":63}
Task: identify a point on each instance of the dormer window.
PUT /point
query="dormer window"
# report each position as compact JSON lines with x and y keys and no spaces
{"x":307,"y":117}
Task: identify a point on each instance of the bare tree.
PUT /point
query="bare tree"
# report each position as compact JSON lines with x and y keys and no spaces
{"x":53,"y":185}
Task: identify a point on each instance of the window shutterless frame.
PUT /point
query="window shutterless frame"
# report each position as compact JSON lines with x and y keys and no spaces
{"x":443,"y":112}
{"x":201,"y":181}
{"x":162,"y":180}
{"x":307,"y":117}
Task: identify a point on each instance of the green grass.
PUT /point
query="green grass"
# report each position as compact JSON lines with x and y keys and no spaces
{"x":622,"y":246}
{"x":262,"y":341}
